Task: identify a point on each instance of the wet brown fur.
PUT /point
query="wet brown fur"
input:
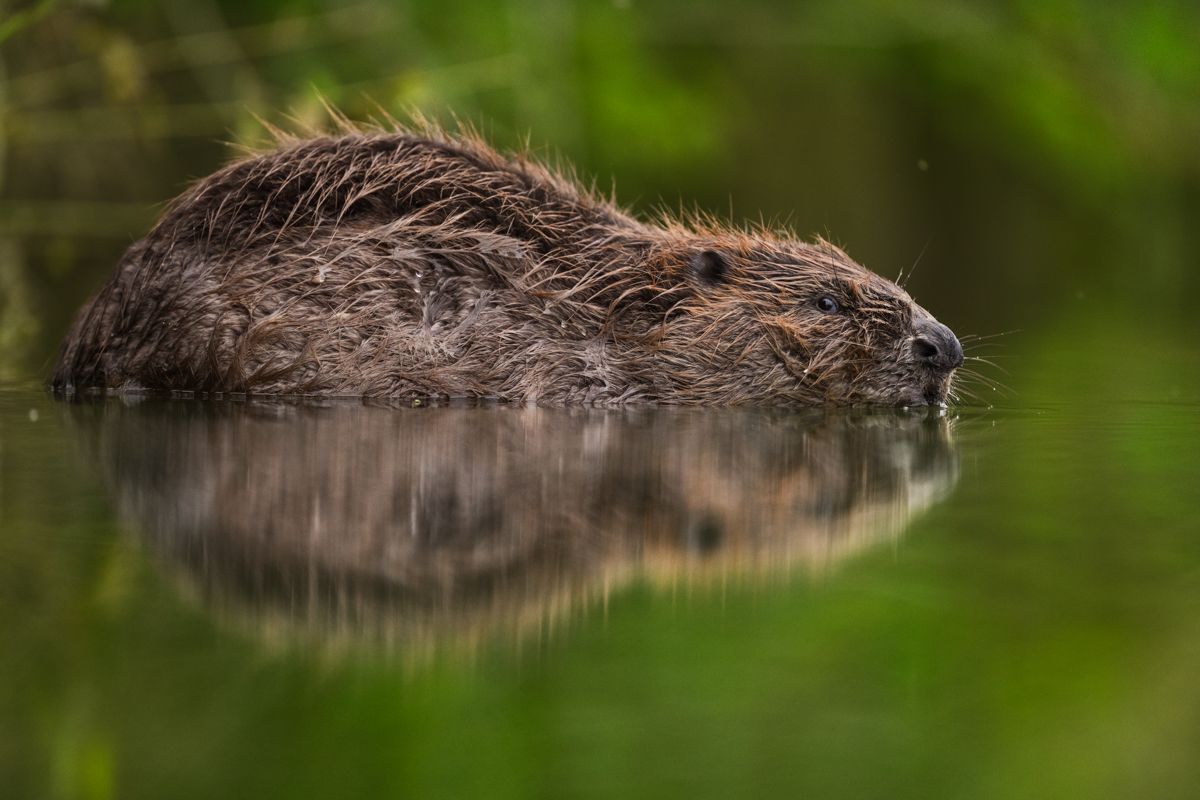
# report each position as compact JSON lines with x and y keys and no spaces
{"x":415,"y":262}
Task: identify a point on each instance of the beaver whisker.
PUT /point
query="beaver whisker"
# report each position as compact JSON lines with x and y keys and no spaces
{"x":974,"y":337}
{"x":957,"y":397}
{"x":970,"y":376}
{"x":977,"y":346}
{"x":967,"y":369}
{"x":988,"y":361}
{"x":960,"y":394}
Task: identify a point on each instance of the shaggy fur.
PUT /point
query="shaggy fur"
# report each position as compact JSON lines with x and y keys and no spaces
{"x":416,"y":263}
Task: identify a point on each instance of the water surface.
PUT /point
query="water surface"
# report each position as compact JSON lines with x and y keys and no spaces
{"x":265,"y":599}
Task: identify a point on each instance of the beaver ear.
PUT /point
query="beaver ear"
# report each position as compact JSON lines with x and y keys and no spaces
{"x":709,"y":267}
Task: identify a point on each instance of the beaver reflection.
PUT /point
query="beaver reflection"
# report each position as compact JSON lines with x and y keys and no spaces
{"x":420,"y":525}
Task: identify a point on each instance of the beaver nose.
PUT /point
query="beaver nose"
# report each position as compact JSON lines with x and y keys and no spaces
{"x":936,"y":345}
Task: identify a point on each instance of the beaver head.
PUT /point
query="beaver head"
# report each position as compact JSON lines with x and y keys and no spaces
{"x":804,"y":323}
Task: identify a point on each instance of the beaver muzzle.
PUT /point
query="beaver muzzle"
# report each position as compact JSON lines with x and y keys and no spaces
{"x":936,"y":346}
{"x":937,"y":349}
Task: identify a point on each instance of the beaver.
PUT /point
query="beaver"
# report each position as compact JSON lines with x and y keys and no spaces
{"x":417,"y":262}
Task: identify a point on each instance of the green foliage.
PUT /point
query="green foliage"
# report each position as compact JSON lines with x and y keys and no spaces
{"x":15,"y":21}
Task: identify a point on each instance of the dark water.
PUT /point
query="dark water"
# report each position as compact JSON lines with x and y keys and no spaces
{"x":256,"y":599}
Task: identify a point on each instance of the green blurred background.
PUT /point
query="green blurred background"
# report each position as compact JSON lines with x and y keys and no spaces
{"x":1034,"y":156}
{"x":1034,"y":635}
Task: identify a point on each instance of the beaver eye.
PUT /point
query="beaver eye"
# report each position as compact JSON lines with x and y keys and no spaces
{"x":827,"y":305}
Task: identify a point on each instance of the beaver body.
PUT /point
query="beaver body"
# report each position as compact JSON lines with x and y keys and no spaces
{"x":417,"y":264}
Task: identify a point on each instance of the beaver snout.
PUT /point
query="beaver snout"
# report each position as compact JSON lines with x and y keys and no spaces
{"x":936,"y":346}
